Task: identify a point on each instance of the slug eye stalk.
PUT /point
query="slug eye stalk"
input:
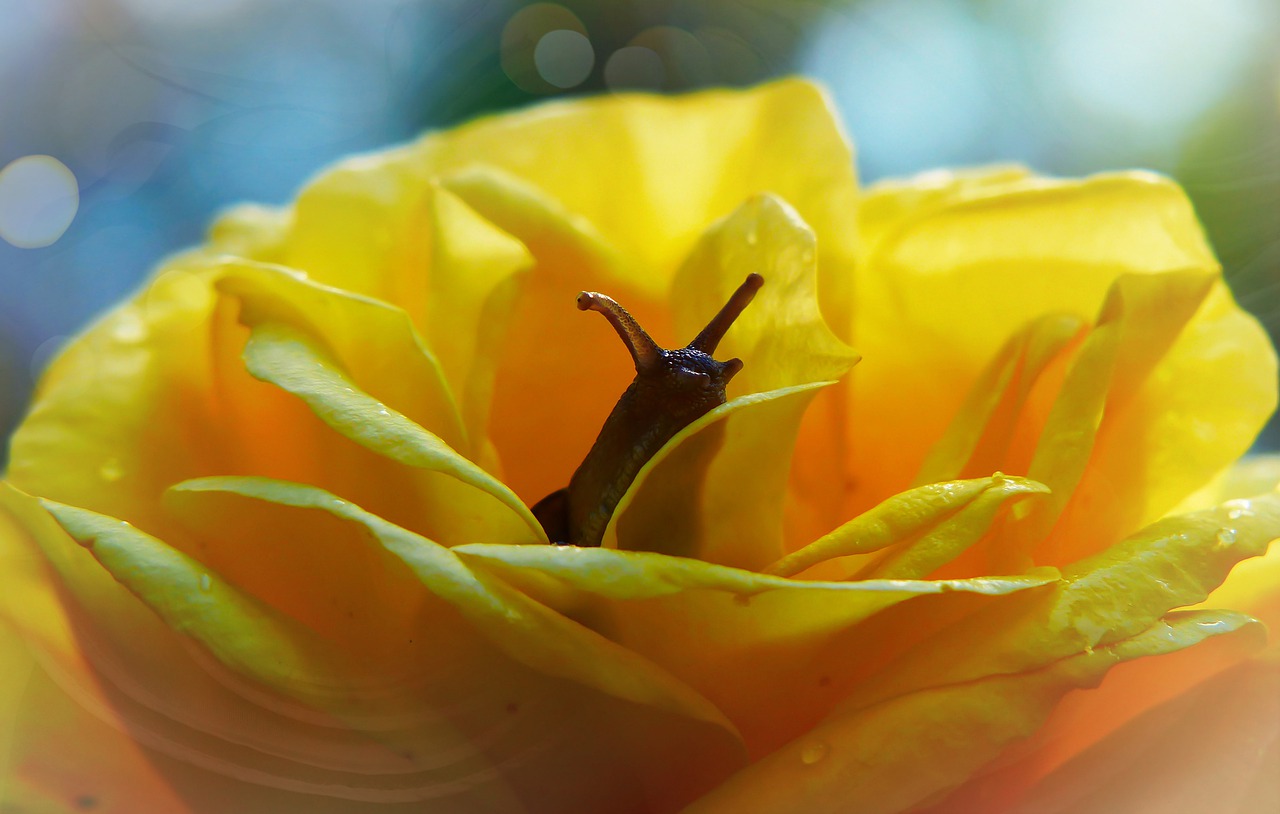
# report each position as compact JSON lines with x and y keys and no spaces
{"x":672,"y":388}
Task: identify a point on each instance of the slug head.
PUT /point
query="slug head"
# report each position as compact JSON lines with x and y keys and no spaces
{"x":672,"y":388}
{"x":684,"y":370}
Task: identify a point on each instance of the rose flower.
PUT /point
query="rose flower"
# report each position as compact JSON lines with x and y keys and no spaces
{"x":266,"y":539}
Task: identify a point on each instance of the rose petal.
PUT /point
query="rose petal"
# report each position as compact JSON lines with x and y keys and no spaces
{"x":374,"y":225}
{"x":745,"y":640}
{"x":251,"y":231}
{"x":1196,"y":411}
{"x":976,"y":267}
{"x":927,"y":525}
{"x":715,"y":491}
{"x":781,"y":337}
{"x":373,"y":340}
{"x":591,"y":369}
{"x":158,"y":393}
{"x":982,"y":434}
{"x":1171,"y":564}
{"x":673,"y":170}
{"x":469,"y":727}
{"x":674,"y":162}
{"x":119,"y":660}
{"x":363,"y":225}
{"x":892,"y":756}
{"x":461,"y":502}
{"x":524,"y":630}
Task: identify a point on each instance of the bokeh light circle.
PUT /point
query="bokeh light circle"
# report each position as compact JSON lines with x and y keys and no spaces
{"x":635,"y":68}
{"x":564,"y":57}
{"x":39,"y":197}
{"x":543,"y":45}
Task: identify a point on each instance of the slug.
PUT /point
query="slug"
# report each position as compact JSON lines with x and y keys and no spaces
{"x":672,"y":388}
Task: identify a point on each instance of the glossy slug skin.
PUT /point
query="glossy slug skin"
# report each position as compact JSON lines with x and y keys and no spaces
{"x":672,"y":388}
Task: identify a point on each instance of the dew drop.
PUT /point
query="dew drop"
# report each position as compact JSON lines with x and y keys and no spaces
{"x":1088,"y":650}
{"x":111,"y":470}
{"x":814,"y":752}
{"x":205,"y":583}
{"x":1226,"y":537}
{"x":997,"y":476}
{"x":1237,"y":509}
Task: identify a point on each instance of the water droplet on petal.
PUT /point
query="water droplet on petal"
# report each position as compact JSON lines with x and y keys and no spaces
{"x":813,"y":752}
{"x":205,"y":582}
{"x":1226,"y":537}
{"x":997,"y":476}
{"x":1237,"y":509}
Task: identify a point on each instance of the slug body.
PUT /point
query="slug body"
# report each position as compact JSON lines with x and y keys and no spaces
{"x":672,"y":388}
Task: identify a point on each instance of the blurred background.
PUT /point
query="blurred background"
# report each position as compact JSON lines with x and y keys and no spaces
{"x":126,"y":124}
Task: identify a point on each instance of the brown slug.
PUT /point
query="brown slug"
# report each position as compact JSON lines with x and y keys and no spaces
{"x":671,"y":389}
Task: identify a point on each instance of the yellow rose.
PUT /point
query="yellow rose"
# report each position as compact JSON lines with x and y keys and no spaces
{"x":265,"y":539}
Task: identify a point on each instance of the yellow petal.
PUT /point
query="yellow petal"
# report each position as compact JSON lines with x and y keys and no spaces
{"x":674,"y":164}
{"x":116,"y":657}
{"x":773,"y":653}
{"x":472,"y":730}
{"x":157,"y":393}
{"x":887,"y":205}
{"x":191,"y":600}
{"x":781,"y":337}
{"x":549,"y":347}
{"x":982,"y":435}
{"x":374,"y":226}
{"x":1127,"y":413}
{"x":1118,"y":593}
{"x":968,"y":272}
{"x":361,"y":225}
{"x":1254,"y":584}
{"x":940,"y":517}
{"x":454,"y":499}
{"x":536,"y":175}
{"x":895,"y":755}
{"x":1249,"y":476}
{"x":715,"y":491}
{"x":251,"y":231}
{"x":524,"y":630}
{"x":468,"y":298}
{"x":373,"y":340}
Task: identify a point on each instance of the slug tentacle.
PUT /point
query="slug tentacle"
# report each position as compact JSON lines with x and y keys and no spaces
{"x":709,"y":339}
{"x":644,"y":350}
{"x":672,"y":388}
